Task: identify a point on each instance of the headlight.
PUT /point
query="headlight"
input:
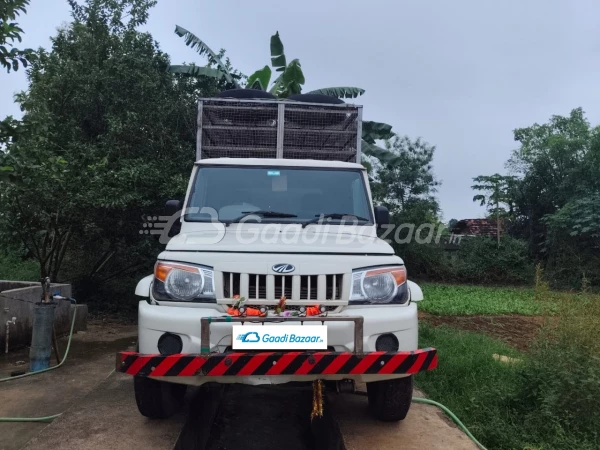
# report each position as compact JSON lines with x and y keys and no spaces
{"x":381,"y":285}
{"x":183,"y":282}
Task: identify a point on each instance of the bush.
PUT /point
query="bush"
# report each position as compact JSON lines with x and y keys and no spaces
{"x":15,"y":268}
{"x":559,"y":393}
{"x":480,"y":260}
{"x":569,"y":262}
{"x":426,"y":261}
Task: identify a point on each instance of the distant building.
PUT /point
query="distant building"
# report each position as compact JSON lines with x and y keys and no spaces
{"x":477,"y":228}
{"x":470,"y":228}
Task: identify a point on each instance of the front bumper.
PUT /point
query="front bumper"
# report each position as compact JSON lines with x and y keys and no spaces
{"x":206,"y":354}
{"x":155,"y":320}
{"x":307,"y":365}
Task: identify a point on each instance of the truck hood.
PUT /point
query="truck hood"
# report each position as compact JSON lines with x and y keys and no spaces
{"x":274,"y":241}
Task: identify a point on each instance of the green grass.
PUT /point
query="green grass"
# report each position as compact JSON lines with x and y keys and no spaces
{"x":470,"y":381}
{"x":548,"y":400}
{"x":15,"y":269}
{"x":452,"y":300}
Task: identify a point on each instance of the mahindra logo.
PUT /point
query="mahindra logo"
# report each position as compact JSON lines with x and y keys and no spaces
{"x":283,"y":268}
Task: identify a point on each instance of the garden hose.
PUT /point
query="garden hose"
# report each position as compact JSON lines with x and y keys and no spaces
{"x":38,"y":419}
{"x":452,"y":416}
{"x":45,"y":418}
{"x":29,"y":419}
{"x":448,"y":413}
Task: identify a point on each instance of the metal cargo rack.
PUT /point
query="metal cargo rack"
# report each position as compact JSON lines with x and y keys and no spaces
{"x":238,"y":128}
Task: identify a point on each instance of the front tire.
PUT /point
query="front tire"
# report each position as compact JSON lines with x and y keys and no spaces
{"x":390,"y":400}
{"x":157,"y":399}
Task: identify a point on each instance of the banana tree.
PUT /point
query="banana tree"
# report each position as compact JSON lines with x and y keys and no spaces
{"x":289,"y":81}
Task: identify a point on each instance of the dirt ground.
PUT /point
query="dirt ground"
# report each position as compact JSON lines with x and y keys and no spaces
{"x":90,"y":360}
{"x":107,"y":418}
{"x":517,"y":331}
{"x":425,"y":427}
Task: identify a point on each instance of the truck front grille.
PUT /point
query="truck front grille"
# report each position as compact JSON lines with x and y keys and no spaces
{"x":307,"y":288}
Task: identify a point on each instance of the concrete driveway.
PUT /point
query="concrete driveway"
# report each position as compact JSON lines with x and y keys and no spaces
{"x":100,"y":412}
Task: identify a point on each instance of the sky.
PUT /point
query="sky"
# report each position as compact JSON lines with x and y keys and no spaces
{"x":461,"y":75}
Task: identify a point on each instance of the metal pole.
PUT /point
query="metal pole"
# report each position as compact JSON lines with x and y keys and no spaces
{"x":45,"y":290}
{"x":199,"y":133}
{"x":8,"y":324}
{"x":204,"y":335}
{"x":358,"y":335}
{"x":280,"y":129}
{"x":359,"y":135}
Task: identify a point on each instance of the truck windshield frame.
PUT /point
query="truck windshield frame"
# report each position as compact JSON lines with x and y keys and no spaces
{"x":267,"y":189}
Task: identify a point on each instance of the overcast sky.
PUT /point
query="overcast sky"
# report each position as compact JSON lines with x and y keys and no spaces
{"x":461,"y":75}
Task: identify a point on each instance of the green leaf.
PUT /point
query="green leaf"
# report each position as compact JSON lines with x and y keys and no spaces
{"x":292,"y":79}
{"x":385,"y":156}
{"x":339,"y":92}
{"x":6,"y":173}
{"x":479,"y":198}
{"x":277,"y":55}
{"x":277,"y":85}
{"x":293,"y":73}
{"x":260,"y":78}
{"x":256,"y":84}
{"x":201,"y":48}
{"x":371,"y":131}
{"x":194,"y":70}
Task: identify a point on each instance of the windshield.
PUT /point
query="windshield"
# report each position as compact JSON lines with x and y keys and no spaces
{"x":279,"y":194}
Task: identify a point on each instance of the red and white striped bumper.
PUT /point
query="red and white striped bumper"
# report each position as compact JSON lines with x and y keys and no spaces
{"x":277,"y":363}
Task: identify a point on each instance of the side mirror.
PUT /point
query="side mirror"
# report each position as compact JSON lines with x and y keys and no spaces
{"x":382,"y":216}
{"x":173,"y":207}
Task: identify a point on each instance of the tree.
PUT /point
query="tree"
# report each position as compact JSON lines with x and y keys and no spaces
{"x":107,"y":136}
{"x":555,"y":163}
{"x":289,"y":82}
{"x":499,"y":192}
{"x":11,"y":32}
{"x":406,"y":184}
{"x":555,"y":195}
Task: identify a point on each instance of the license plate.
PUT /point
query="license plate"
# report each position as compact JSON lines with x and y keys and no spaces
{"x":279,"y":337}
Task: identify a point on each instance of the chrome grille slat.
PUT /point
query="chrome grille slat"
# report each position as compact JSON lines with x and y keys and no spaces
{"x":257,"y":287}
{"x":321,"y":286}
{"x":307,"y":288}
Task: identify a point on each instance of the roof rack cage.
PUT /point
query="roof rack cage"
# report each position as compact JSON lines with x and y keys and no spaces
{"x":236,"y":128}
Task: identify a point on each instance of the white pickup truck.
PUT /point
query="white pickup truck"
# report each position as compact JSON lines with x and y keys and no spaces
{"x":275,"y":273}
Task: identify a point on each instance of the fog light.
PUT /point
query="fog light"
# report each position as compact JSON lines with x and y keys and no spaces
{"x":387,"y":343}
{"x":170,"y":344}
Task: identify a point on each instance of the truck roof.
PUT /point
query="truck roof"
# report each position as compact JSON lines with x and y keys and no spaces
{"x":278,"y":162}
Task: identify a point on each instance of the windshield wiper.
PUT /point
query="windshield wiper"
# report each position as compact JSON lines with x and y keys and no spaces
{"x":332,"y":216}
{"x":263,"y":213}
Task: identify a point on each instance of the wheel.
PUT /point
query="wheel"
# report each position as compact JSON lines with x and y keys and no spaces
{"x":157,"y":399}
{"x":246,"y":93}
{"x":390,"y":400}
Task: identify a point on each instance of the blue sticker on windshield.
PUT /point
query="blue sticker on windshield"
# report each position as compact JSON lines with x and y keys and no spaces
{"x":273,"y":173}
